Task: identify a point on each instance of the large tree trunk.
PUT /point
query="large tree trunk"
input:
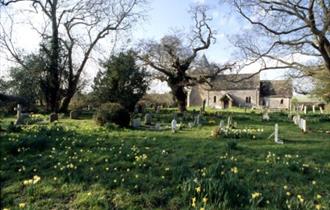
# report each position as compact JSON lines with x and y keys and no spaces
{"x":66,"y":101}
{"x":180,"y":95}
{"x":54,"y":81}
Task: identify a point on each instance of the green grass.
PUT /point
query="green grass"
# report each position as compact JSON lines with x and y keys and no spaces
{"x":83,"y":166}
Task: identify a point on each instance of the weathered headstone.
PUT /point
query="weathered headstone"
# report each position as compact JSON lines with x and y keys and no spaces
{"x":305,"y":109}
{"x":190,"y":125}
{"x":321,"y":110}
{"x":222,"y":124}
{"x":197,"y":120}
{"x":157,"y":126}
{"x":158,"y":109}
{"x":265,"y":116}
{"x":136,"y":123}
{"x":229,"y":122}
{"x":147,"y":119}
{"x":18,"y":115}
{"x":174,"y":125}
{"x":53,"y":117}
{"x":313,"y":108}
{"x":74,"y":114}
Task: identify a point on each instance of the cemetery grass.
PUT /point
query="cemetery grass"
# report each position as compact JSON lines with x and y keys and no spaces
{"x":75,"y":164}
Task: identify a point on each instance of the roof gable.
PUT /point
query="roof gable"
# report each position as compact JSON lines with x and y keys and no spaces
{"x":236,"y":82}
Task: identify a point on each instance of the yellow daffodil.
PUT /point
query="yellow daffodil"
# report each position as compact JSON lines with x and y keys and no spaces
{"x":255,"y":195}
{"x":300,"y":198}
{"x":318,"y":196}
{"x":202,"y":208}
{"x":193,"y":202}
{"x":198,"y":189}
{"x":285,"y":187}
{"x":205,"y":200}
{"x":234,"y":170}
{"x":288,"y":193}
{"x":314,"y":182}
{"x":318,"y":206}
{"x":21,"y":205}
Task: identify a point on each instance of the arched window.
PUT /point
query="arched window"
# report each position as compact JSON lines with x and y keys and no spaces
{"x":248,"y":100}
{"x":282,"y":101}
{"x":214,"y":99}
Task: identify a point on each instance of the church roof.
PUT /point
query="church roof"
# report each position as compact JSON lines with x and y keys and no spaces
{"x":235,"y":82}
{"x":276,"y":88}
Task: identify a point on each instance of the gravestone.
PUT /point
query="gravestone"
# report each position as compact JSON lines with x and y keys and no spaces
{"x":276,"y":135}
{"x":229,"y":122}
{"x":313,"y":108}
{"x":53,"y":117}
{"x":136,"y":123}
{"x":157,"y":126}
{"x":19,"y":119}
{"x":174,"y":125}
{"x":197,"y":120}
{"x":190,"y":125}
{"x":305,"y":109}
{"x":321,"y":110}
{"x":265,"y":116}
{"x":222,"y":124}
{"x":74,"y":114}
{"x":147,"y":119}
{"x":303,"y":125}
{"x":158,"y":109}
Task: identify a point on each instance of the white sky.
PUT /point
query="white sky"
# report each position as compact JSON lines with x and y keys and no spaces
{"x":163,"y":17}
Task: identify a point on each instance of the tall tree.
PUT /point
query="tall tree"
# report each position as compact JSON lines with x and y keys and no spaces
{"x":287,"y":34}
{"x":78,"y":26}
{"x":173,"y":59}
{"x":123,"y":81}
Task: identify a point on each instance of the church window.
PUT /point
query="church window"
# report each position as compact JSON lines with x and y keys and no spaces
{"x":215,"y":99}
{"x":282,"y":101}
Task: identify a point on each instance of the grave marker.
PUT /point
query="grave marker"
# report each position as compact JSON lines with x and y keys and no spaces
{"x":173,"y":125}
{"x":276,"y":136}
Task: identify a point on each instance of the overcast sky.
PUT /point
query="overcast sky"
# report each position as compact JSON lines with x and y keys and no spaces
{"x":164,"y":16}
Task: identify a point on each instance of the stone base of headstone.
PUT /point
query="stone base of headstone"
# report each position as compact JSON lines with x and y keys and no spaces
{"x":53,"y":117}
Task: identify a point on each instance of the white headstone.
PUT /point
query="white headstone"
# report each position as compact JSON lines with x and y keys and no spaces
{"x":276,"y":137}
{"x":265,"y":116}
{"x":18,"y":114}
{"x":173,"y":125}
{"x":313,"y":108}
{"x":303,"y":125}
{"x":305,"y":109}
{"x":321,"y":110}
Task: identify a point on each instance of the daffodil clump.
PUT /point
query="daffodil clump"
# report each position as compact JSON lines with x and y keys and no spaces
{"x":236,"y":133}
{"x":32,"y":181}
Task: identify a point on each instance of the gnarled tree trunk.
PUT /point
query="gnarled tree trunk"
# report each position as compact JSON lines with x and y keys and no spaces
{"x":180,"y":95}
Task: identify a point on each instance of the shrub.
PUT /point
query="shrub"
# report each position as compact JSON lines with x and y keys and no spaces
{"x":112,"y":113}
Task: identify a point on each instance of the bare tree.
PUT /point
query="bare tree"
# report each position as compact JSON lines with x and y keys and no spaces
{"x":173,"y":59}
{"x":286,"y":34}
{"x":72,"y":30}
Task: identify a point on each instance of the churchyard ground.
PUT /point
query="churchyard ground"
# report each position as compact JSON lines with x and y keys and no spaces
{"x":75,"y":164}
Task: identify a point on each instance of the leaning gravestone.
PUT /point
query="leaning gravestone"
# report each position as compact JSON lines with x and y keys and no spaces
{"x":147,"y":119}
{"x":53,"y":117}
{"x":74,"y":114}
{"x":321,"y":110}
